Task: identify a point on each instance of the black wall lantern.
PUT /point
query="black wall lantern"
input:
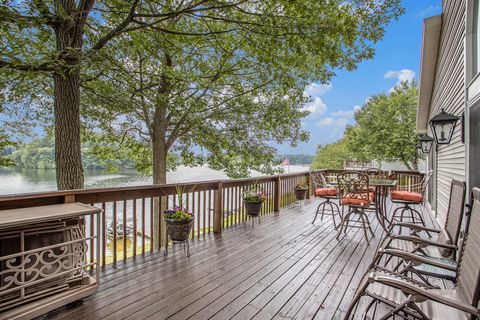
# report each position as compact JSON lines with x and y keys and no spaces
{"x":426,"y":143}
{"x":443,"y":125}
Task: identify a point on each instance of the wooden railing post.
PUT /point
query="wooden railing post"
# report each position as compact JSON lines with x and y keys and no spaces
{"x":155,"y":242}
{"x":276,"y":195}
{"x":218,"y":209}
{"x":309,"y":186}
{"x":69,"y":198}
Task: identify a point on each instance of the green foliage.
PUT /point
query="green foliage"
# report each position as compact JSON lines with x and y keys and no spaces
{"x":385,"y":127}
{"x":331,"y":156}
{"x":217,"y":91}
{"x":211,"y":82}
{"x":5,"y":147}
{"x":302,"y":183}
{"x":40,"y":154}
{"x":254,"y":194}
{"x":178,"y":213}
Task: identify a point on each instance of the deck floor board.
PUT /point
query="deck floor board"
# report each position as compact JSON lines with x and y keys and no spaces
{"x":281,"y":268}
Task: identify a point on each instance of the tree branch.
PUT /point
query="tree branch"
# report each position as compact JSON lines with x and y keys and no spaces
{"x":27,"y":67}
{"x":118,"y":29}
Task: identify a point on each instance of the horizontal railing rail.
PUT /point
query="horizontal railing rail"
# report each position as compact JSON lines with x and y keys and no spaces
{"x":131,"y":222}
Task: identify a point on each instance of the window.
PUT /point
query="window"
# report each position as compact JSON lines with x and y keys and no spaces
{"x":476,"y":38}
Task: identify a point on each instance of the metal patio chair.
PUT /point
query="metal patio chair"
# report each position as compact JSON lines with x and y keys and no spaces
{"x":408,"y":196}
{"x":355,"y":194}
{"x":430,"y":255}
{"x":374,"y":173}
{"x":409,"y":299}
{"x":327,"y":192}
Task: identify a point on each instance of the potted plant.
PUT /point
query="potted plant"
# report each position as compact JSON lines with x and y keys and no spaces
{"x":301,"y":189}
{"x":253,"y":200}
{"x":179,"y":220}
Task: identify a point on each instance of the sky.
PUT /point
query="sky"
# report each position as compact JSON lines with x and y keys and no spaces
{"x":397,"y":59}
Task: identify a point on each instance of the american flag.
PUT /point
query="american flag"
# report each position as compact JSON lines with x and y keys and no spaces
{"x":284,"y":162}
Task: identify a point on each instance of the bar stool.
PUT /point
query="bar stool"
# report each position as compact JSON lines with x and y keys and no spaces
{"x":407,"y":197}
{"x":356,"y":195}
{"x":327,"y":192}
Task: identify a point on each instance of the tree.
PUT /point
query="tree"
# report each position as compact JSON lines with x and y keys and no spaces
{"x":5,"y":143}
{"x":331,"y":156}
{"x":55,"y":40}
{"x":385,"y":127}
{"x":217,"y":88}
{"x":40,"y":154}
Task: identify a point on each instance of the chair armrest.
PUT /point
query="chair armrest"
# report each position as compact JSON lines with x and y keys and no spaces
{"x":417,"y":259}
{"x":424,"y":242}
{"x":411,"y":289}
{"x":412,"y":226}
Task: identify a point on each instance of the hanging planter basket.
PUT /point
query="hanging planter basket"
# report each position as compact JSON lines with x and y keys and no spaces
{"x":179,"y":230}
{"x":300,"y":193}
{"x":253,"y":208}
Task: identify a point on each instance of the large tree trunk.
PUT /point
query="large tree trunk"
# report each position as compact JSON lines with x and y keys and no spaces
{"x":68,"y":156}
{"x":159,"y":158}
{"x":69,"y":45}
{"x":159,"y":149}
{"x":158,"y":131}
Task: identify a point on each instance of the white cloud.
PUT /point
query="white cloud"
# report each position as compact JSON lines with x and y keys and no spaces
{"x":343,"y":114}
{"x":346,"y":114}
{"x":401,"y":76}
{"x":316,"y":106}
{"x":325,"y":122}
{"x":315,"y":91}
{"x":338,"y":119}
{"x":336,"y":124}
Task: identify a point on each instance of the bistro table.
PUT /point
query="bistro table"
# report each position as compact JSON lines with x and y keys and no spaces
{"x":382,"y":188}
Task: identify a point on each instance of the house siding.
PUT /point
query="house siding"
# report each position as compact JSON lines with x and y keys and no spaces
{"x":449,"y":94}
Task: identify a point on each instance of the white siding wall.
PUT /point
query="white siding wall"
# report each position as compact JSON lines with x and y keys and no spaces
{"x":449,"y":94}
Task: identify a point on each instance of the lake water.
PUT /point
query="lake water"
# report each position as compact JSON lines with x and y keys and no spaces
{"x":20,"y":180}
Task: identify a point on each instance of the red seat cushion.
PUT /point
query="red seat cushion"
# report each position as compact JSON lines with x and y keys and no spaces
{"x":325,"y":192}
{"x":407,"y":196}
{"x":363,"y":199}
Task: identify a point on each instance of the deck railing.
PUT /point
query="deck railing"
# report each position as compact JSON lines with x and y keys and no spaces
{"x":131,"y":223}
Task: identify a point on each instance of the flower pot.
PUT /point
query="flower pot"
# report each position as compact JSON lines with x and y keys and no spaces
{"x":179,"y":230}
{"x":253,"y":208}
{"x":300,"y":194}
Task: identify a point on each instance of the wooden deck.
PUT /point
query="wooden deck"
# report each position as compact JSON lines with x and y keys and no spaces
{"x":281,"y":268}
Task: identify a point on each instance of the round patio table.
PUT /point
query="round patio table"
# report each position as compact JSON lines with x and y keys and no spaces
{"x":382,"y":188}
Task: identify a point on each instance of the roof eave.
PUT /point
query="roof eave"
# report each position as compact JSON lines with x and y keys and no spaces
{"x":432,"y":28}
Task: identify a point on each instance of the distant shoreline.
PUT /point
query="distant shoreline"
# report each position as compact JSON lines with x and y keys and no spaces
{"x":14,"y":180}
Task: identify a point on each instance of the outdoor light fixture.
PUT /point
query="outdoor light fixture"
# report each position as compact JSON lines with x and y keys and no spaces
{"x":419,"y":148}
{"x":443,"y":125}
{"x":426,"y":143}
